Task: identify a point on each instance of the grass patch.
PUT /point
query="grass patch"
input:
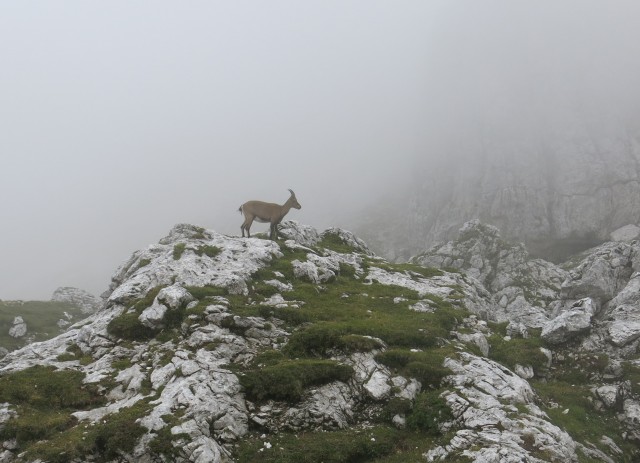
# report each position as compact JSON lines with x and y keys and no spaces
{"x":349,"y":446}
{"x":582,"y":421}
{"x":429,"y":412}
{"x":106,"y":440}
{"x":334,"y":242}
{"x":412,"y":269}
{"x":517,"y":351}
{"x":426,"y":366}
{"x":178,"y":250}
{"x":44,"y":399}
{"x":321,"y":339}
{"x":207,"y":250}
{"x":128,"y":326}
{"x":41,"y":318}
{"x":287,"y":380}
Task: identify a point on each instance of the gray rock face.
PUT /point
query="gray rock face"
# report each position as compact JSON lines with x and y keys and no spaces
{"x":573,"y":321}
{"x":190,"y":378}
{"x":573,"y":186}
{"x":483,"y":398}
{"x":78,"y":297}
{"x":522,"y":288}
{"x":19,"y":328}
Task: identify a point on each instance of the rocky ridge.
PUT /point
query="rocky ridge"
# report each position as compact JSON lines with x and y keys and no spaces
{"x":86,"y":301}
{"x":213,"y":348}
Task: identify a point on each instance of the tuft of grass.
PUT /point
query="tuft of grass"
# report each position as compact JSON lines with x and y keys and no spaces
{"x":425,"y":366}
{"x":334,"y":242}
{"x":127,"y":326}
{"x":178,"y":250}
{"x":429,"y":412}
{"x":287,"y":380}
{"x":517,"y":351}
{"x":208,"y":250}
{"x":320,"y":339}
{"x":44,"y":399}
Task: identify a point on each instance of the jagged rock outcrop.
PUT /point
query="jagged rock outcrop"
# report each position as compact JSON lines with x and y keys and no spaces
{"x":559,"y":191}
{"x":212,"y":348}
{"x":522,"y":288}
{"x":78,"y":297}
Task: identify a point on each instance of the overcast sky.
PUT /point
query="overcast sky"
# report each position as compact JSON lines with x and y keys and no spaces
{"x":120,"y":119}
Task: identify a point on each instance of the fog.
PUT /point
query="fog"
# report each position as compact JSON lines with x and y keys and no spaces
{"x":121,"y":119}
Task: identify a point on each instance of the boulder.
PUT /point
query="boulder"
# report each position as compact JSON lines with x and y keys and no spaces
{"x":570,"y":323}
{"x":19,"y":328}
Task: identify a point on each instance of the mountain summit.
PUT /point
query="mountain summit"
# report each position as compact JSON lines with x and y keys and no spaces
{"x":212,"y":348}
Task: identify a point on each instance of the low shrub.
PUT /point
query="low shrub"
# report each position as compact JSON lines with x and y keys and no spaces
{"x":429,"y":412}
{"x":288,"y":380}
{"x":128,"y":326}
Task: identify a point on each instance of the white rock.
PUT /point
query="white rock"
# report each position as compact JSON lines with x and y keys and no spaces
{"x":570,"y":323}
{"x":19,"y":328}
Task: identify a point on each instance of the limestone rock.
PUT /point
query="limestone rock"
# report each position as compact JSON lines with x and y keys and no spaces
{"x":87,"y":302}
{"x":19,"y":328}
{"x":521,"y":287}
{"x":572,"y":322}
{"x":626,"y":233}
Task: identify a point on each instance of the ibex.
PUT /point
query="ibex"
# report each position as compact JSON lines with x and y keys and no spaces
{"x":267,"y":212}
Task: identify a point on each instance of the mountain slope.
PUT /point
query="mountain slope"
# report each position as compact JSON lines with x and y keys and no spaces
{"x":213,"y":348}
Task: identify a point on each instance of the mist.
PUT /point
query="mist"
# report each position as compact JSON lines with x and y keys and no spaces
{"x":122,"y":119}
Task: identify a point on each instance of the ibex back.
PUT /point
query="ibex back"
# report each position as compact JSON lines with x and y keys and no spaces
{"x":267,"y":212}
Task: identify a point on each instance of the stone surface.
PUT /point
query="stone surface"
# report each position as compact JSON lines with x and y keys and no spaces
{"x":19,"y":328}
{"x":627,"y":233}
{"x":78,"y":297}
{"x":570,"y":323}
{"x":193,"y":374}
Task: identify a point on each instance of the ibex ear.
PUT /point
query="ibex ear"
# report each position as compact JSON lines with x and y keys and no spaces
{"x":292,"y":193}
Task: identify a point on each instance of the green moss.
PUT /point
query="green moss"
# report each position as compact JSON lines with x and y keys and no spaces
{"x":287,"y":380}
